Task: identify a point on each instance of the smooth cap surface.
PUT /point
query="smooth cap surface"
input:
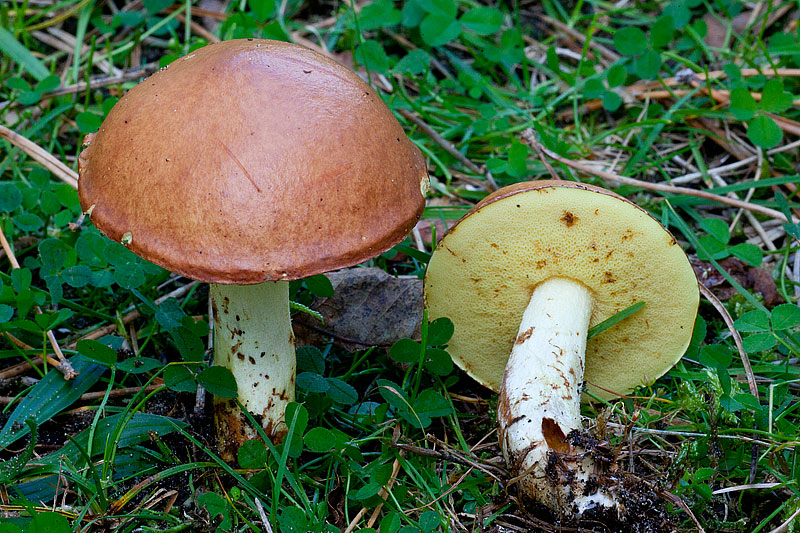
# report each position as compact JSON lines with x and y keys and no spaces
{"x":252,"y":160}
{"x":485,"y":269}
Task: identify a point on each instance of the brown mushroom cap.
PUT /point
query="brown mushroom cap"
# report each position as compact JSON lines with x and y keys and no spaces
{"x":253,"y":160}
{"x":486,"y":267}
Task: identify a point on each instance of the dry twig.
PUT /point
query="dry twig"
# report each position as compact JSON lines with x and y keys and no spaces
{"x":449,"y":454}
{"x":737,"y":338}
{"x":748,"y":368}
{"x":448,"y":147}
{"x":63,"y":365}
{"x":580,"y":37}
{"x":587,"y":167}
{"x":50,"y":162}
{"x":19,"y":368}
{"x":89,"y":396}
{"x":383,"y":493}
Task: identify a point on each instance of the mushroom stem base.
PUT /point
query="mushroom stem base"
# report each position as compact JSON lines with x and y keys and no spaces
{"x":253,"y":339}
{"x":539,"y":403}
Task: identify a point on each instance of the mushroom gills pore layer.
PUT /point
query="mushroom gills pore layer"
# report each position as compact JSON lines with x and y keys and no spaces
{"x":539,"y":403}
{"x":253,"y":339}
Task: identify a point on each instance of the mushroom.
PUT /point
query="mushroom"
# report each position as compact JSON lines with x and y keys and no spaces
{"x":526,"y":272}
{"x":246,"y":164}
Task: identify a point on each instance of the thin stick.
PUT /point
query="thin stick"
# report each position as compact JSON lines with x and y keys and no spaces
{"x":50,"y":162}
{"x":581,"y":38}
{"x":19,"y":368}
{"x":19,"y":344}
{"x":739,"y":488}
{"x":723,"y":98}
{"x":130,"y":316}
{"x":384,"y":493}
{"x":719,"y":95}
{"x":608,"y":176}
{"x":66,"y":42}
{"x":680,"y":503}
{"x":198,"y":29}
{"x":669,"y":432}
{"x":63,"y":365}
{"x":263,"y":515}
{"x":719,"y":74}
{"x":445,"y":493}
{"x":105,"y":330}
{"x":655,"y":92}
{"x":785,"y":526}
{"x":159,"y":496}
{"x":448,"y":146}
{"x":737,"y":338}
{"x":686,"y":178}
{"x":97,"y":333}
{"x":354,"y":522}
{"x":748,"y":369}
{"x":786,"y":124}
{"x":58,"y":17}
{"x":491,"y":470}
{"x":720,"y":137}
{"x":200,"y":12}
{"x":100,"y":81}
{"x":538,"y":148}
{"x":89,"y":396}
{"x":9,"y":251}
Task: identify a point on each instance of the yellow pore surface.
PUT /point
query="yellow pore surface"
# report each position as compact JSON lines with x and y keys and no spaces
{"x":485,"y":269}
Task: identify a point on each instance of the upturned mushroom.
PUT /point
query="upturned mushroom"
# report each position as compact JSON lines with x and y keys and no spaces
{"x":247,"y":164}
{"x":526,"y":272}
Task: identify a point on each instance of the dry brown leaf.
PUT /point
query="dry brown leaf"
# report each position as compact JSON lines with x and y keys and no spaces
{"x":715,"y":37}
{"x":368,"y":308}
{"x":757,"y":279}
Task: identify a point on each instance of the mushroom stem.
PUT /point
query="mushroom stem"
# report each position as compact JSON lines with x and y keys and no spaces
{"x":253,"y":339}
{"x":540,"y":401}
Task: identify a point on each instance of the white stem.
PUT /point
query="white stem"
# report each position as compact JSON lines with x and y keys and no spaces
{"x":253,"y":338}
{"x":540,"y":400}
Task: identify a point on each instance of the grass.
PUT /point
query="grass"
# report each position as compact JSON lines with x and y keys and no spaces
{"x":666,"y":103}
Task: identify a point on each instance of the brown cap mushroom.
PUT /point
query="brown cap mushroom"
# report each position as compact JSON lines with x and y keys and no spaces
{"x":249,"y":161}
{"x":526,"y":272}
{"x":253,"y":160}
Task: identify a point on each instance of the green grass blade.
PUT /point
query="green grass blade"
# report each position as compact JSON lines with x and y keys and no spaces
{"x":16,"y":51}
{"x":687,"y":232}
{"x":597,"y":329}
{"x":49,"y":396}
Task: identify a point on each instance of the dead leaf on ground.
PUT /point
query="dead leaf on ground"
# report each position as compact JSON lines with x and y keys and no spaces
{"x":368,"y":308}
{"x":754,"y":278}
{"x":336,"y":505}
{"x":717,"y":31}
